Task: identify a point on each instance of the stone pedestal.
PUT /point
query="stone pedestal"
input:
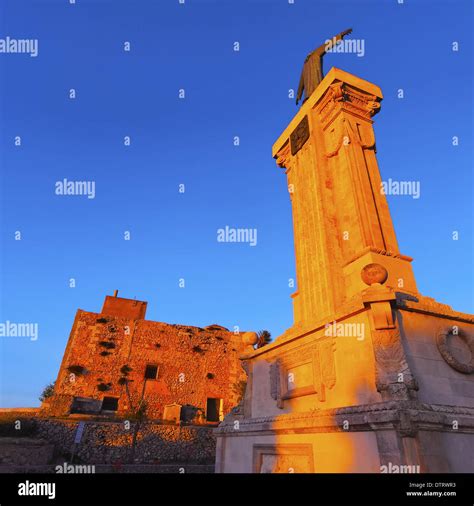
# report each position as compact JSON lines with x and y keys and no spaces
{"x":341,"y":218}
{"x":372,"y":376}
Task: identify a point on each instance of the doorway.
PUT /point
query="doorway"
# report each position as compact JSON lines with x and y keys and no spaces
{"x":214,"y":409}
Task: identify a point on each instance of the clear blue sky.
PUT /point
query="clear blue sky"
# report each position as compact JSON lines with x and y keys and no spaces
{"x":190,"y":141}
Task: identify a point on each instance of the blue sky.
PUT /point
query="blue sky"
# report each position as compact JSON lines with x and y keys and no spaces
{"x":191,"y":142}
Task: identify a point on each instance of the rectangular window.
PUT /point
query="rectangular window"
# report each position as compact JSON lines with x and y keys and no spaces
{"x":86,"y":405}
{"x":151,"y":372}
{"x":110,"y":404}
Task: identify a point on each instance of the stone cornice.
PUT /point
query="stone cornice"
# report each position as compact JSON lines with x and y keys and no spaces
{"x":371,"y":249}
{"x":427,"y":305}
{"x":334,"y":76}
{"x":300,"y":330}
{"x":377,"y":416}
{"x":404,"y":301}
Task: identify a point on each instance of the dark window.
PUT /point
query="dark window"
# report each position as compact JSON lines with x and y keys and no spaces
{"x":86,"y":405}
{"x":212,"y":409}
{"x":151,"y":372}
{"x":110,"y":404}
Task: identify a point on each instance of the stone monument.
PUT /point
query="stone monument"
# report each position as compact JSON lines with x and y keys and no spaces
{"x":372,"y":376}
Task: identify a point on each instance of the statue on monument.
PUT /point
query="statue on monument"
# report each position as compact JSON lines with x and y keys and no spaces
{"x":312,"y":73}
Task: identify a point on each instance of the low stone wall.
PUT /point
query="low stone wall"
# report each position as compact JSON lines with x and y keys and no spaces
{"x":17,"y":423}
{"x":19,"y":411}
{"x":25,"y":451}
{"x":111,"y":442}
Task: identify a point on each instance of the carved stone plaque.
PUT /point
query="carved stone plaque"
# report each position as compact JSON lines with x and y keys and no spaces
{"x":299,"y":135}
{"x":283,"y":458}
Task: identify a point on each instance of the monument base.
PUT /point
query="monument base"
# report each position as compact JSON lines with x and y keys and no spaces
{"x":394,"y":401}
{"x":373,"y":375}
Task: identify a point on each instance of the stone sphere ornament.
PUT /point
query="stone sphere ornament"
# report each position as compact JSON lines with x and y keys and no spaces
{"x":374,"y":273}
{"x":250,"y":338}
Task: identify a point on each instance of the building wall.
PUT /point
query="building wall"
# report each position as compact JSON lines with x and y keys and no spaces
{"x":438,"y":382}
{"x":425,"y":428}
{"x":194,"y":364}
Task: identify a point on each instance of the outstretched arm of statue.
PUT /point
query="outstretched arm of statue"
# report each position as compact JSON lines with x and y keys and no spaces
{"x":332,"y":42}
{"x":345,"y":32}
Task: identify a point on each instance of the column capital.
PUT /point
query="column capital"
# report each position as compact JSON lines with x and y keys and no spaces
{"x":338,"y":87}
{"x":344,"y":97}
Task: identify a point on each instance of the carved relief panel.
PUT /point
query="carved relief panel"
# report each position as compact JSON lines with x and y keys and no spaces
{"x":304,"y":371}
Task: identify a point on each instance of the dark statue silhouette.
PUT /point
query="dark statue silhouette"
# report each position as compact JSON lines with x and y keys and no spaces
{"x":312,"y":73}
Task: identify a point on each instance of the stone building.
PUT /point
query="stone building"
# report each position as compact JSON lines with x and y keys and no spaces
{"x":373,"y":376}
{"x":116,"y":362}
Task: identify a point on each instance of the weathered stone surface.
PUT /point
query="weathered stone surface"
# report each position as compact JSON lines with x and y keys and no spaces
{"x":172,"y":412}
{"x":366,"y":373}
{"x":108,"y":353}
{"x":25,"y":451}
{"x":111,"y":442}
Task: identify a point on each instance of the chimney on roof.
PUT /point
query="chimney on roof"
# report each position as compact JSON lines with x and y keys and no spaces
{"x":124,"y":308}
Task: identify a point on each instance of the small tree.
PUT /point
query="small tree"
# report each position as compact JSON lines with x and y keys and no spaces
{"x":48,"y":391}
{"x":138,"y":412}
{"x":264,"y":338}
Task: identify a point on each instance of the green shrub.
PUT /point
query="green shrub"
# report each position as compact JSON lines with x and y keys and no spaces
{"x":48,"y":391}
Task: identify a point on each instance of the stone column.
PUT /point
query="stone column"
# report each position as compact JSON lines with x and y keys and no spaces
{"x":341,"y":218}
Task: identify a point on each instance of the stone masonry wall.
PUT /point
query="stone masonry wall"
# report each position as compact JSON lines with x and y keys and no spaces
{"x":24,"y":451}
{"x":111,"y":442}
{"x":194,"y":364}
